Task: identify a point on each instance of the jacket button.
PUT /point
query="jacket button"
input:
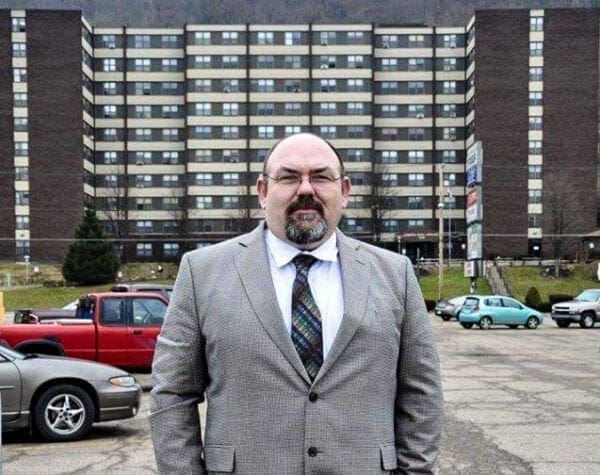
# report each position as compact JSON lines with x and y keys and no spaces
{"x":312,"y":397}
{"x":312,"y":451}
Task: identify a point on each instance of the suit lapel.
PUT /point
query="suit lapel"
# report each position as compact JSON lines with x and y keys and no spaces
{"x":253,"y":268}
{"x":355,"y":278}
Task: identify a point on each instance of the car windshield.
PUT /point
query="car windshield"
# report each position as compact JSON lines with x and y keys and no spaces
{"x":589,"y":295}
{"x":457,"y":300}
{"x":471,"y":302}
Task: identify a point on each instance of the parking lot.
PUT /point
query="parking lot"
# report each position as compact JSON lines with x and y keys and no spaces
{"x":517,"y":401}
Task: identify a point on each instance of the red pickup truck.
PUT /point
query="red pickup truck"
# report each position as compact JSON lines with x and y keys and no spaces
{"x":119,"y":329}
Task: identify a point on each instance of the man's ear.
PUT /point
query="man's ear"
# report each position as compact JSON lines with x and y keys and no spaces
{"x":261,"y":188}
{"x":346,"y":186}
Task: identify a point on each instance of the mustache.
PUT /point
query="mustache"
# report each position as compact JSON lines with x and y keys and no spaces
{"x":305,"y":202}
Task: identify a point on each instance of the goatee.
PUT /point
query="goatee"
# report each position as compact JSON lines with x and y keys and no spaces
{"x":305,"y":228}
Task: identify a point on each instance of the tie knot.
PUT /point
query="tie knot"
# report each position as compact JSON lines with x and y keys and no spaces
{"x":303,"y":262}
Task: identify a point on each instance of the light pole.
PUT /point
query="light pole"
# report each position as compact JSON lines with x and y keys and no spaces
{"x":440,"y":230}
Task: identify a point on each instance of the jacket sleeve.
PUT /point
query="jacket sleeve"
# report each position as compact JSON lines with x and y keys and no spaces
{"x":179,"y":380}
{"x":419,"y":402}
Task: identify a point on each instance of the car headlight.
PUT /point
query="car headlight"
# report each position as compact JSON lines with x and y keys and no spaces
{"x":124,"y":381}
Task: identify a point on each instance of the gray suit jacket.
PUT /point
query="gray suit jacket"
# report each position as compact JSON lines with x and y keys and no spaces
{"x":374,"y":407}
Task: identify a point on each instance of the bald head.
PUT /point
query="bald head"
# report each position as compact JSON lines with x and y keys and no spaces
{"x":288,"y":145}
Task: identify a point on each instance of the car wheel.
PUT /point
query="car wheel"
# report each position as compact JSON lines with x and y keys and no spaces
{"x":64,"y":412}
{"x":512,"y":326}
{"x":532,"y":323}
{"x":587,"y":320}
{"x":466,"y":325}
{"x":485,"y":323}
{"x":445,"y":318}
{"x":563,"y":323}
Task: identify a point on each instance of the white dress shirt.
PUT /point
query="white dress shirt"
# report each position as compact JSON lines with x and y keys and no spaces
{"x":324,"y":278}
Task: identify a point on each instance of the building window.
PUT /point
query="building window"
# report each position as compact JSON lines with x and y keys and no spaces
{"x":292,"y":108}
{"x":355,"y":155}
{"x":143,"y":249}
{"x":416,"y":156}
{"x":414,"y":224}
{"x":536,"y":48}
{"x":231,"y":156}
{"x":416,"y":111}
{"x":292,"y":85}
{"x":535,"y":172}
{"x":355,"y":85}
{"x":449,"y":41}
{"x":266,"y":132}
{"x":170,"y":135}
{"x":534,"y":196}
{"x":109,"y":88}
{"x":416,"y":64}
{"x":389,"y":64}
{"x":356,"y":131}
{"x":204,"y":179}
{"x":170,"y":111}
{"x":169,"y":41}
{"x":389,"y":156}
{"x":389,"y":110}
{"x":449,"y":179}
{"x":389,"y":179}
{"x":170,"y":249}
{"x":21,"y":174}
{"x":143,"y":181}
{"x":231,"y":202}
{"x":231,"y":132}
{"x":170,"y":203}
{"x":202,"y":38}
{"x":264,"y":38}
{"x":293,"y":38}
{"x":389,"y":87}
{"x":231,"y":85}
{"x":355,"y":108}
{"x":536,"y":23}
{"x":204,"y":202}
{"x":110,"y":135}
{"x":535,"y":123}
{"x":449,"y":156}
{"x":449,"y":87}
{"x":535,"y":147}
{"x":18,"y":24}
{"x":231,"y":178}
{"x":19,"y":75}
{"x":109,"y":64}
{"x":202,"y":62}
{"x":141,"y":41}
{"x":356,"y":202}
{"x":143,"y":135}
{"x":169,"y":65}
{"x":327,"y":108}
{"x":203,"y":155}
{"x":109,"y":158}
{"x":203,"y":132}
{"x":22,"y":198}
{"x":230,"y":62}
{"x":204,"y":108}
{"x":143,"y":158}
{"x":265,"y":108}
{"x":21,"y":149}
{"x":202,"y":85}
{"x":109,"y":111}
{"x":141,"y":64}
{"x":265,"y":61}
{"x":328,"y":38}
{"x":142,"y":88}
{"x":389,"y":41}
{"x":389,"y":133}
{"x":534,"y":221}
{"x":328,"y":85}
{"x":22,"y":222}
{"x":328,"y":131}
{"x":19,"y":50}
{"x":20,"y":99}
{"x":170,"y":180}
{"x":292,"y":62}
{"x":292,"y":129}
{"x":416,"y":87}
{"x":143,"y":204}
{"x":143,"y":112}
{"x":449,"y":110}
{"x":355,"y":61}
{"x":355,"y":37}
{"x":111,"y":181}
{"x":21,"y":124}
{"x":170,"y":158}
{"x":169,"y":88}
{"x":265,"y":85}
{"x":416,"y":179}
{"x":535,"y":98}
{"x":416,"y":41}
{"x":230,"y":38}
{"x":416,"y":202}
{"x":449,"y":133}
{"x":231,"y":108}
{"x":416,"y":133}
{"x":449,"y":64}
{"x":536,"y":74}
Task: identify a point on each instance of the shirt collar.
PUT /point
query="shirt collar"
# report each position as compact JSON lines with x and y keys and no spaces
{"x":283,"y":253}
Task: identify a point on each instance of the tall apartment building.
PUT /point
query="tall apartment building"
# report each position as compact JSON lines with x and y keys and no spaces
{"x":177,"y":122}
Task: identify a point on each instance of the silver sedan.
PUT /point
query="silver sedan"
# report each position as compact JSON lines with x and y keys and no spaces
{"x":62,"y":397}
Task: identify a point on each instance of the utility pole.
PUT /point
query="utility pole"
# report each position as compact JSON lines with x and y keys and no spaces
{"x":441,"y":194}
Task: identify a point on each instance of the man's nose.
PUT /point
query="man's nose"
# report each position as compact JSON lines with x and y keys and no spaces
{"x":305,"y":187}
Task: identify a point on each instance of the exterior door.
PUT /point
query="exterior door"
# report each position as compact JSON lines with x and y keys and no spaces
{"x":10,"y":389}
{"x":146,"y":318}
{"x":515,"y":312}
{"x":112,"y":331}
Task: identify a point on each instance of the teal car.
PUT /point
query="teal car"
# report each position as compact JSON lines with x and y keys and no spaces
{"x":488,"y":310}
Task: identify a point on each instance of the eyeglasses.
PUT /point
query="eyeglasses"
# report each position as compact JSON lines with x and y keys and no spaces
{"x":294,"y":181}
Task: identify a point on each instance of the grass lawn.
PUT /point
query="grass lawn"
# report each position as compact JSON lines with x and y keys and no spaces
{"x":583,"y":276}
{"x":454,"y":283}
{"x":45,"y":297}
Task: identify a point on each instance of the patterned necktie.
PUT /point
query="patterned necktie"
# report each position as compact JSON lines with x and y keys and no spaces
{"x":306,"y":318}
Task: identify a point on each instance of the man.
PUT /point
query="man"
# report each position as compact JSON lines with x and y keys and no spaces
{"x":310,"y":365}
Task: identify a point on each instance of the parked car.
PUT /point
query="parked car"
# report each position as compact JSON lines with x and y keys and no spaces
{"x":164,"y":290}
{"x":450,"y":308}
{"x":117,"y":328}
{"x":488,"y":310}
{"x":62,"y":397}
{"x":583,"y":309}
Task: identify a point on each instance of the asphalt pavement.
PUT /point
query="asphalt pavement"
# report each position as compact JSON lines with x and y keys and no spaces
{"x":516,"y":402}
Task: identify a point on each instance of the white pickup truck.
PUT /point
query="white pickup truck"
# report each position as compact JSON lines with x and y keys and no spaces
{"x":583,"y":309}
